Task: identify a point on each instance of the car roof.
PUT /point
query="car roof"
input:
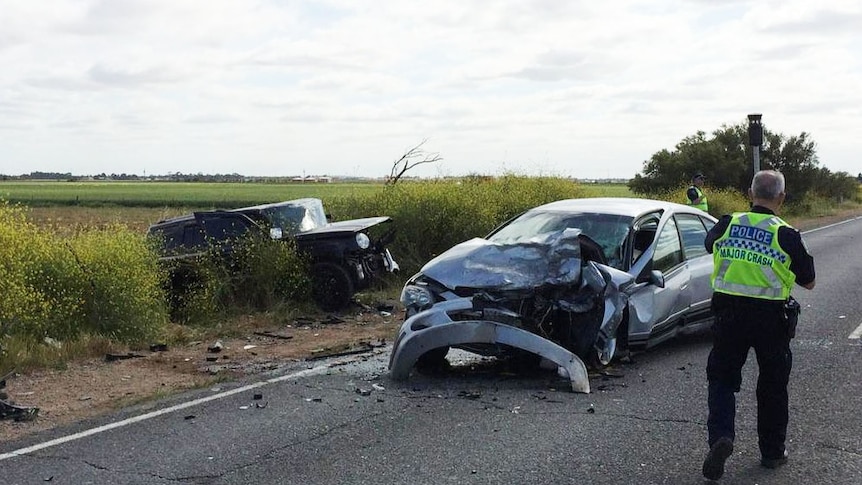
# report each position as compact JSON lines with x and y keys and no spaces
{"x":303,"y":201}
{"x":623,"y":206}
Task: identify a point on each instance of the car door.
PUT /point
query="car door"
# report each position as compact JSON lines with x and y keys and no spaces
{"x":654,"y":309}
{"x":693,"y":229}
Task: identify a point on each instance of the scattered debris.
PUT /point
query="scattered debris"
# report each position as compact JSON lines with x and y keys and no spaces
{"x":258,"y":396}
{"x":470,"y":395}
{"x":115,"y":357}
{"x":363,"y":392}
{"x":243,"y":407}
{"x":325,"y":352}
{"x":17,"y":413}
{"x":378,"y":387}
{"x":385,"y":314}
{"x":591,"y":409}
{"x":212,"y":359}
{"x":249,"y":347}
{"x":85,"y":398}
{"x":216,"y":347}
{"x":331,"y":318}
{"x":158,"y":347}
{"x":274,"y":335}
{"x":303,"y":321}
{"x":189,"y":417}
{"x":385,"y":307}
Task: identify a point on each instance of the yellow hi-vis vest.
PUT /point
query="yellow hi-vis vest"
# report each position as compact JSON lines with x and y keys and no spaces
{"x":749,"y":261}
{"x":700,"y":195}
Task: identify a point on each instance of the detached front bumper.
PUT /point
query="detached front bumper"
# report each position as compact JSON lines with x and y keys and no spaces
{"x":433,"y":328}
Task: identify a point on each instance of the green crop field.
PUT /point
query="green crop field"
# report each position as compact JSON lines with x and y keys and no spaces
{"x":66,"y":206}
{"x":170,"y":194}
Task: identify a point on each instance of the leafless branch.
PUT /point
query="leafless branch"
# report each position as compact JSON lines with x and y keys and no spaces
{"x":411,"y":158}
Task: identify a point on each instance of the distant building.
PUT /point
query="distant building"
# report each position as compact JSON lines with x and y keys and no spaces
{"x":324,"y":179}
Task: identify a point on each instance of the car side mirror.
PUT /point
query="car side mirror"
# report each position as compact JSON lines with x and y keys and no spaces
{"x":656,"y":277}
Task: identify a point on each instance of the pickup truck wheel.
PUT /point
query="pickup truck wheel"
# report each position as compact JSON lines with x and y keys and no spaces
{"x":332,"y":287}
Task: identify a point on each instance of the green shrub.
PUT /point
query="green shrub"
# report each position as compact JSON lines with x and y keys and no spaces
{"x":95,"y":283}
{"x":431,"y":216}
{"x":721,"y":201}
{"x":259,"y":275}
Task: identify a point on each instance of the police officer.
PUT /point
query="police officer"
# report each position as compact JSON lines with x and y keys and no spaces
{"x":696,"y":197}
{"x":758,"y":258}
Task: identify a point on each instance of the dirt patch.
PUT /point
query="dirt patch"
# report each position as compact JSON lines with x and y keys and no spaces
{"x":92,"y":387}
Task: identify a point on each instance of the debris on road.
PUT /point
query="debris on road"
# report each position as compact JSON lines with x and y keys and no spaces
{"x":216,"y":347}
{"x":326,"y":352}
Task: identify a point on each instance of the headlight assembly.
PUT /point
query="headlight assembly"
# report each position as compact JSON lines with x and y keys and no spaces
{"x":416,"y":296}
{"x":362,"y":240}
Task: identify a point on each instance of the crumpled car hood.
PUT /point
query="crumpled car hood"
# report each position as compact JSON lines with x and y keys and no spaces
{"x":349,"y":226}
{"x":552,"y":258}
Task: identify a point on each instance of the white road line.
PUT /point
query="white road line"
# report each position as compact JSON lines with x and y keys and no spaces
{"x":831,"y":225}
{"x":856,"y":334}
{"x":144,"y":417}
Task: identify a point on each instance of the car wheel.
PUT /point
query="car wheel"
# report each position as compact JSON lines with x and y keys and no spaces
{"x":332,"y":287}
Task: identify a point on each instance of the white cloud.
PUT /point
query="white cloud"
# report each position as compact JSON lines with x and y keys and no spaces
{"x":344,"y":87}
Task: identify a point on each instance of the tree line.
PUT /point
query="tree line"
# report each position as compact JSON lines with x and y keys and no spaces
{"x":725,"y":158}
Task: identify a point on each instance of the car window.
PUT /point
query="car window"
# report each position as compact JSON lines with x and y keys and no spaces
{"x":297,"y":217}
{"x":644,"y":235}
{"x":609,"y":231}
{"x":693,"y":233}
{"x":193,"y":236}
{"x":668,"y":251}
{"x":224,"y":227}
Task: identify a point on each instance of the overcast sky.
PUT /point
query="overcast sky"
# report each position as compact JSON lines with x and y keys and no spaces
{"x":344,"y":87}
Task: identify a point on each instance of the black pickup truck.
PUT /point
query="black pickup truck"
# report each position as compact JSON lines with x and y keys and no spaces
{"x":346,"y":256}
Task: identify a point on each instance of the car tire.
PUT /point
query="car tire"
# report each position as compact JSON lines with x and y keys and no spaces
{"x":332,"y":288}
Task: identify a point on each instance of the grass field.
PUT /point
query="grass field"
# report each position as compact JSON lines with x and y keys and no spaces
{"x":169,"y":194}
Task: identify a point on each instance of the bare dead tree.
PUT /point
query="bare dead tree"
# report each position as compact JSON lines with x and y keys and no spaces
{"x":411,"y":158}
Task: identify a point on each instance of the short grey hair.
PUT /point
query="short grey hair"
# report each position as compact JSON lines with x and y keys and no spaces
{"x":767,"y":184}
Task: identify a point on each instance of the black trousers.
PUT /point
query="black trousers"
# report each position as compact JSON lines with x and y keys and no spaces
{"x":741,"y":324}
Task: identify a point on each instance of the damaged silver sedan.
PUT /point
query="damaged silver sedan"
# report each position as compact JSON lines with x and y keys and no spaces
{"x":574,"y":283}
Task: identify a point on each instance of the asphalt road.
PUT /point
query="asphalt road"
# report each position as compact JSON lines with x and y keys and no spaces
{"x":345,"y":422}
